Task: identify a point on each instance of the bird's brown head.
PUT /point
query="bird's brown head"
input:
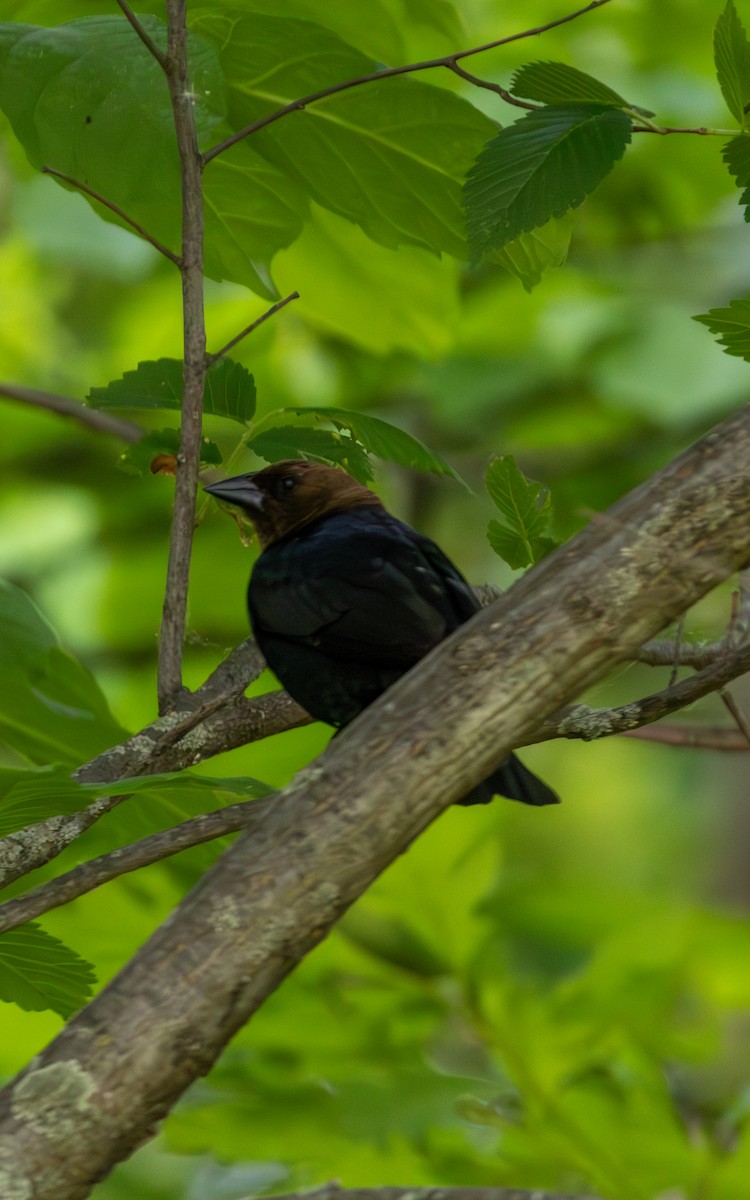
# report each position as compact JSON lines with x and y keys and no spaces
{"x":284,"y":497}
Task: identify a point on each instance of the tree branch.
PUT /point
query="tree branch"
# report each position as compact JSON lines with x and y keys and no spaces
{"x":115,"y":208}
{"x":67,"y":407}
{"x":448,"y":61}
{"x":147,"y":40}
{"x":121,"y":1063}
{"x":172,"y":635}
{"x":33,"y":847}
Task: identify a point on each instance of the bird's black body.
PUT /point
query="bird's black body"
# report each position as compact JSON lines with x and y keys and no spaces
{"x":345,"y":603}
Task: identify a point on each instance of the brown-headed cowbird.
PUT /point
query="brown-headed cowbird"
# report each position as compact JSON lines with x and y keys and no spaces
{"x":344,"y":598}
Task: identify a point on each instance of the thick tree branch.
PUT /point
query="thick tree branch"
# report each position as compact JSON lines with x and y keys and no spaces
{"x":67,"y":407}
{"x":172,"y":634}
{"x":120,"y":1064}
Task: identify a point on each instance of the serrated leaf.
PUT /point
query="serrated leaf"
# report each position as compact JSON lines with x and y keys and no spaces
{"x":732,"y":327}
{"x":321,"y":445}
{"x":229,"y":390}
{"x":521,"y":537}
{"x":539,"y":168}
{"x":381,"y":438}
{"x":736,"y":155}
{"x":39,"y":972}
{"x":556,"y":83}
{"x":389,"y":157}
{"x":732,"y":61}
{"x":531,"y":254}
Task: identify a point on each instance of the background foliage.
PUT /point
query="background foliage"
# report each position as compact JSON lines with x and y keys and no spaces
{"x":531,"y":998}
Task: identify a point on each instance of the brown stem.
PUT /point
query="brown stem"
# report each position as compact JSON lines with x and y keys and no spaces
{"x":115,"y":208}
{"x":146,"y":38}
{"x":270,"y":312}
{"x":448,"y":61}
{"x":67,"y":407}
{"x":172,"y":633}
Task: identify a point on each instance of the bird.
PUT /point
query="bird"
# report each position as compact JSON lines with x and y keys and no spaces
{"x":345,"y":598}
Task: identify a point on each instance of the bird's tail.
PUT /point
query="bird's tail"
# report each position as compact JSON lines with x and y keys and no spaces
{"x":514,"y":781}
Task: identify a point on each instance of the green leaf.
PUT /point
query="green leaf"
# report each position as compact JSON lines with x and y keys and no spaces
{"x":732,"y":60}
{"x":88,"y":99}
{"x":39,"y":972}
{"x":321,"y":445}
{"x":394,"y":940}
{"x":557,"y":83}
{"x":736,"y":155}
{"x":381,"y":438}
{"x":251,"y":210}
{"x":51,"y":708}
{"x":229,"y":391}
{"x":389,"y":157}
{"x":531,"y":254}
{"x":731,"y":325}
{"x":521,"y":536}
{"x":545,"y":164}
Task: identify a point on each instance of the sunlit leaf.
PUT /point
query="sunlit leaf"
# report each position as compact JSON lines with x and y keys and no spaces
{"x":521,"y":536}
{"x":532,"y":254}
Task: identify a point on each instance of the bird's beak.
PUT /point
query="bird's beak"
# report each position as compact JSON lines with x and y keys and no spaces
{"x":239,"y":490}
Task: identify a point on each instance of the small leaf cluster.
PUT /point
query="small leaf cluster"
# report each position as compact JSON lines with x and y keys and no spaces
{"x":324,"y":434}
{"x":521,"y":536}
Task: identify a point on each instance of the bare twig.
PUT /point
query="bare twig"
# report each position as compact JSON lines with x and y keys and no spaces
{"x":693,"y":737}
{"x":270,"y":312}
{"x":115,"y":208}
{"x":448,"y":61}
{"x":32,"y":847}
{"x":145,"y":37}
{"x":158,"y":846}
{"x":68,"y":407}
{"x":739,"y":717}
{"x":172,"y":634}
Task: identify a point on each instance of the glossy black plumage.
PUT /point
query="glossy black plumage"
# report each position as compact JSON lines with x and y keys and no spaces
{"x":345,"y":598}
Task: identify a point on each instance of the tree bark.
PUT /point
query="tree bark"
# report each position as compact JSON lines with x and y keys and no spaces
{"x":102,"y":1085}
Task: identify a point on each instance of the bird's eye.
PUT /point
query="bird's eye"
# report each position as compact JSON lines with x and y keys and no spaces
{"x":283,"y":486}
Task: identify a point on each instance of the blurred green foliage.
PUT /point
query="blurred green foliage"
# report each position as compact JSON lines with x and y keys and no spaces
{"x":541,"y":999}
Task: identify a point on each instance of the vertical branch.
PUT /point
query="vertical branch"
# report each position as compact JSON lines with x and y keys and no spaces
{"x":175,"y":602}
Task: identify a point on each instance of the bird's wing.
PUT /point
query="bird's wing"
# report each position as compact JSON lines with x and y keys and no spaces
{"x":379,"y":593}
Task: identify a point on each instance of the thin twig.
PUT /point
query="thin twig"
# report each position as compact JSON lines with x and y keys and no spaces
{"x":448,"y":61}
{"x":37,"y":844}
{"x":158,"y":846}
{"x":500,"y":91}
{"x":115,"y":208}
{"x":739,"y":717}
{"x":145,"y":37}
{"x":67,"y":407}
{"x":172,"y":634}
{"x":689,"y":736}
{"x":270,"y":312}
